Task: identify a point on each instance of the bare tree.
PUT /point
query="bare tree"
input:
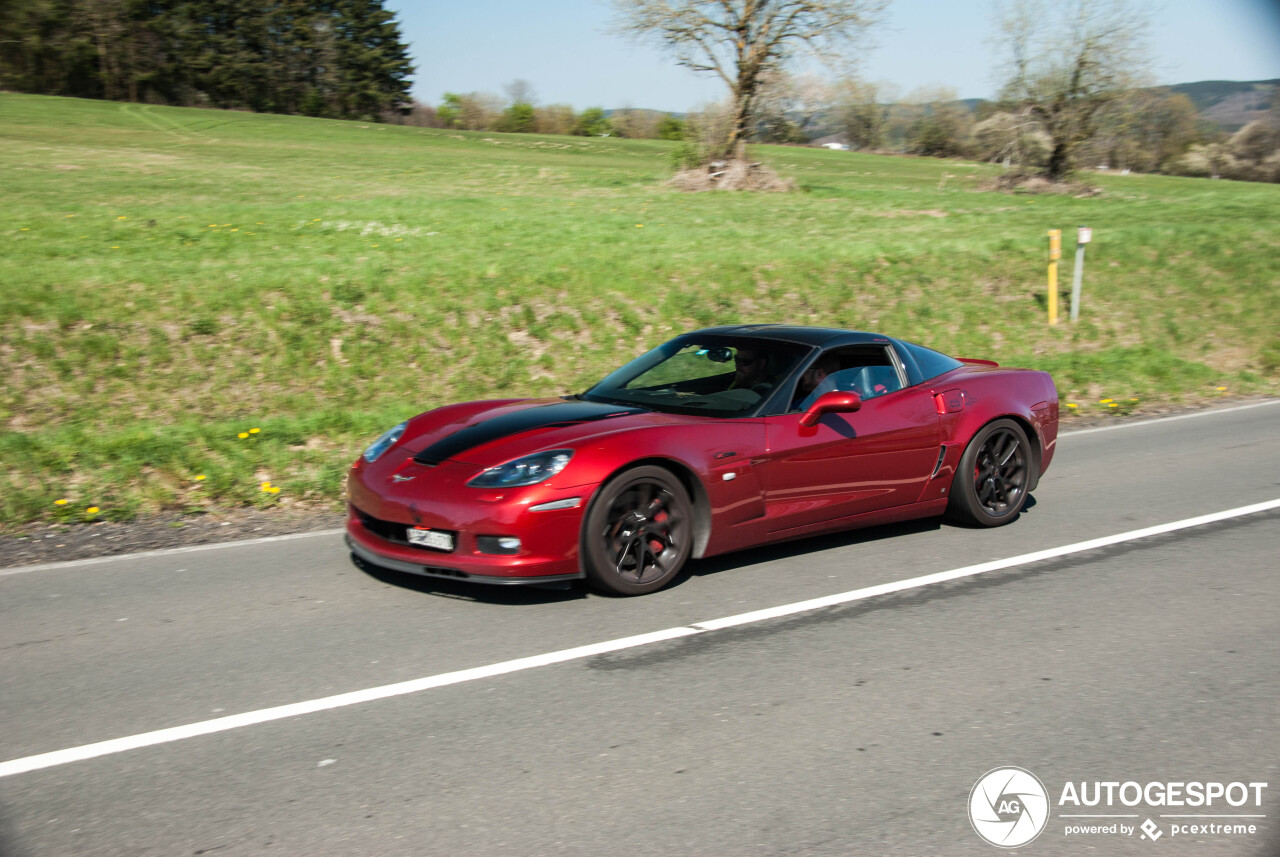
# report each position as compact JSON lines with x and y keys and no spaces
{"x":520,"y":91}
{"x":1067,"y":61}
{"x":861,"y":112}
{"x":789,"y":106}
{"x":744,"y":41}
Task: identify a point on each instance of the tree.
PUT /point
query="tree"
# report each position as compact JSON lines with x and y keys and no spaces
{"x":592,"y":123}
{"x":671,"y":128}
{"x":518,"y":119}
{"x":520,"y":91}
{"x":744,"y":41}
{"x":479,"y":111}
{"x":942,"y":125}
{"x":1144,"y":129}
{"x":555,"y":119}
{"x":450,"y":112}
{"x":1069,"y":60}
{"x":319,"y":57}
{"x":787,"y":105}
{"x":860,"y":114}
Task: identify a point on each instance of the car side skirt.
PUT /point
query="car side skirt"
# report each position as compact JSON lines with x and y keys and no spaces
{"x":757,"y":535}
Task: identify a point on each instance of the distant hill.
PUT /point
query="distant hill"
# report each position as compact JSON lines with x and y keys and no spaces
{"x":1230,"y":103}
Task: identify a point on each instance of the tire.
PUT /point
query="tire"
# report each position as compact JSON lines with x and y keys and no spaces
{"x":638,"y":532}
{"x":990,"y":486}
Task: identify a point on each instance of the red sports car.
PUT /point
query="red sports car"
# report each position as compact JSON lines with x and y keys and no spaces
{"x":719,"y":440}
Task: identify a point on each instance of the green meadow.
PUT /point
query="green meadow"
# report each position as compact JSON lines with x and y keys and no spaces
{"x":173,"y":279}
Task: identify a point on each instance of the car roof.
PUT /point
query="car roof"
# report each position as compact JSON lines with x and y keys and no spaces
{"x":819,"y":336}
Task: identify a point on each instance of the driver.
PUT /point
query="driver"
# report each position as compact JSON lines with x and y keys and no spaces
{"x":749,"y":370}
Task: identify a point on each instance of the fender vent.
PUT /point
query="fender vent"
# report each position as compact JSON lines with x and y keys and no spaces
{"x":942,"y":454}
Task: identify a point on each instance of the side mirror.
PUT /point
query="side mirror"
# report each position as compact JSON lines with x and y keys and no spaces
{"x":834,"y":402}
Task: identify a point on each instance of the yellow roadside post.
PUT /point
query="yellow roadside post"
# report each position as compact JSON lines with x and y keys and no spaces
{"x":1055,"y":253}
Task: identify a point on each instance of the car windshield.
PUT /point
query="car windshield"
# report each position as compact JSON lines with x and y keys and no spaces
{"x":719,"y":376}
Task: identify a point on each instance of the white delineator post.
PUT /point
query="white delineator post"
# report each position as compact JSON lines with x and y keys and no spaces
{"x":1083,"y":236}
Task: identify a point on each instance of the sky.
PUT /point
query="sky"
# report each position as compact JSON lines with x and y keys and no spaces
{"x":565,"y":50}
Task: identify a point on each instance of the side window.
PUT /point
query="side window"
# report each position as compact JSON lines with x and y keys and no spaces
{"x":931,"y":363}
{"x":866,"y":370}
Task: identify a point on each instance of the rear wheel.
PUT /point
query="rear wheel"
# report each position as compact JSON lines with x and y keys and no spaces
{"x":637,"y":535}
{"x":990,"y":486}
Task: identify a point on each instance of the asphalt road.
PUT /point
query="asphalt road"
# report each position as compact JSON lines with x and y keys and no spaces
{"x":847,"y":730}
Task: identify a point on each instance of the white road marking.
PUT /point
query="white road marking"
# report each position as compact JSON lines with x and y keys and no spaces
{"x":1208,"y":412}
{"x":51,"y":566}
{"x":297,"y":709}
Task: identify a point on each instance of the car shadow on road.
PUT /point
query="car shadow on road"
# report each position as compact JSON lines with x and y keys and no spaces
{"x":552,"y":593}
{"x":816,"y":544}
{"x":485,"y":593}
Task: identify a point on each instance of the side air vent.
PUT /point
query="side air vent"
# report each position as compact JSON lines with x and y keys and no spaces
{"x":942,"y":453}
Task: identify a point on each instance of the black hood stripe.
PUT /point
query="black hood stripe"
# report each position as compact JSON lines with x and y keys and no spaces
{"x":526,"y":419}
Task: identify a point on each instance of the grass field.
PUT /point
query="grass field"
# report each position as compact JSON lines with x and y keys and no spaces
{"x":174,"y":279}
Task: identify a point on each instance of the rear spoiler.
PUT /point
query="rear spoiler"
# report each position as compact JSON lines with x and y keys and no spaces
{"x":977,"y":362}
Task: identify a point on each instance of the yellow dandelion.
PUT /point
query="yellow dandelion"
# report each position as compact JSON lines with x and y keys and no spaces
{"x":122,"y":217}
{"x":212,"y":225}
{"x":259,"y":223}
{"x":1133,"y":400}
{"x":1113,"y":405}
{"x":1103,"y":401}
{"x":254,"y":430}
{"x":1222,"y":389}
{"x":1070,"y":405}
{"x":92,"y":510}
{"x":399,"y":239}
{"x":243,"y":435}
{"x":70,"y":215}
{"x":237,"y":229}
{"x":201,"y":478}
{"x":115,"y":247}
{"x":226,"y":224}
{"x":274,"y":489}
{"x":61,"y":502}
{"x":639,"y":226}
{"x":266,"y":486}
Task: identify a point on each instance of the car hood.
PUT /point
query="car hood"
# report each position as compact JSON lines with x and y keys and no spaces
{"x":503,"y":430}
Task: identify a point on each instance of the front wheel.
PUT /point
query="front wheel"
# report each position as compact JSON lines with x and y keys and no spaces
{"x":990,"y":486}
{"x":638,"y":533}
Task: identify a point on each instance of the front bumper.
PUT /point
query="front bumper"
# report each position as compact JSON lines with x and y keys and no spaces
{"x":444,"y":573}
{"x":384,"y":500}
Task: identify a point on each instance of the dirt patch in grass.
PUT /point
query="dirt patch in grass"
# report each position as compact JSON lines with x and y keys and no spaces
{"x":731,"y":175}
{"x":1033,"y":184}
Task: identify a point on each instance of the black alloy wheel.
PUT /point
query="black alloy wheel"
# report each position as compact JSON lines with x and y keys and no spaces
{"x":990,"y":486}
{"x":638,"y":533}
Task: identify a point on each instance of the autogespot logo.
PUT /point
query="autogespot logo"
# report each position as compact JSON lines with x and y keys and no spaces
{"x":1008,"y":807}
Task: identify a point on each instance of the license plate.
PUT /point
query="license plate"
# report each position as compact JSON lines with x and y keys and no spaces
{"x":428,"y":538}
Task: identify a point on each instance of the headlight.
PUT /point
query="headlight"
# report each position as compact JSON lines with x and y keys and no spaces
{"x":529,"y":470}
{"x":384,"y":443}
